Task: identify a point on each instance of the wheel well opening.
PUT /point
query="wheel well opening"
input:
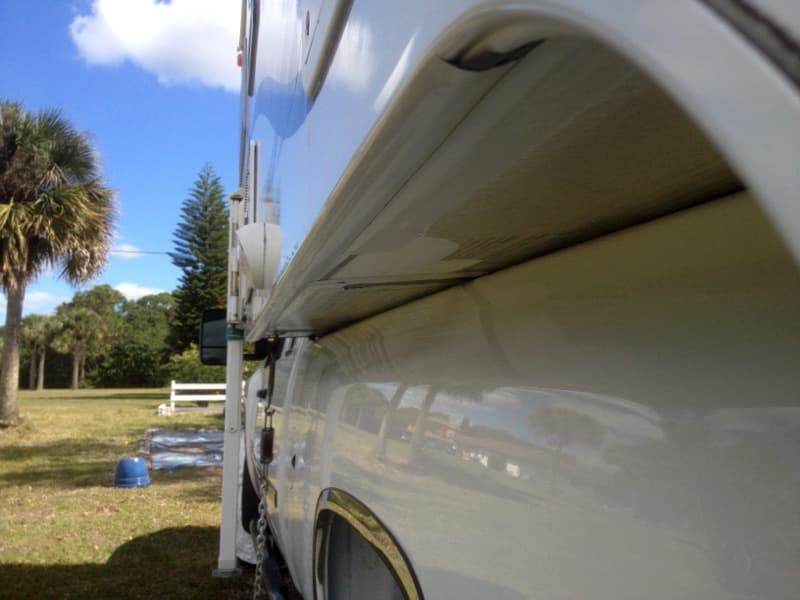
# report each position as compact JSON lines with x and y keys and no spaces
{"x":355,"y":555}
{"x":350,"y":567}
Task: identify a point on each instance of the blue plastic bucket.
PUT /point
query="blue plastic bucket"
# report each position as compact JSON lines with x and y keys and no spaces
{"x":131,"y":472}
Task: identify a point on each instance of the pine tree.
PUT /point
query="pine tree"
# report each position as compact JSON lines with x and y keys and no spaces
{"x":201,"y":245}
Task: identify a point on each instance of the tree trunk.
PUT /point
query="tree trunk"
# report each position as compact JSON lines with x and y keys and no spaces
{"x":32,"y":370}
{"x":380,"y":445}
{"x":9,"y":373}
{"x":40,"y":374}
{"x":76,"y":368}
{"x":422,"y":423}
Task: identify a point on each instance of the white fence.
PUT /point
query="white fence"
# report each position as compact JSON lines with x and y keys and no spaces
{"x":182,"y":392}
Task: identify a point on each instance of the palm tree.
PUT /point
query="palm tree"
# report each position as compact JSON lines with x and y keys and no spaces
{"x":37,"y":333}
{"x":422,"y":422}
{"x":27,"y":335}
{"x":55,"y":211}
{"x":80,"y":329}
{"x":465,"y":392}
{"x":108,"y":304}
{"x":386,"y":422}
{"x":562,"y":427}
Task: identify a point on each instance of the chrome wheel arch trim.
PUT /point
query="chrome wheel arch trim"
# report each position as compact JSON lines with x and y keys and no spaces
{"x":337,"y":502}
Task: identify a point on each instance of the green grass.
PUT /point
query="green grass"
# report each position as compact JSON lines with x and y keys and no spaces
{"x":66,"y":532}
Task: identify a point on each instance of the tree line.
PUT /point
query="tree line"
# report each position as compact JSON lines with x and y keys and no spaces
{"x":101,"y":339}
{"x":56,"y":212}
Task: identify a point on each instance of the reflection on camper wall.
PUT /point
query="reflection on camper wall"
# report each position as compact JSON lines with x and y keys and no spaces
{"x":464,"y":414}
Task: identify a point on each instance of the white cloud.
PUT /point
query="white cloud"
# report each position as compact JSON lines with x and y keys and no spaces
{"x":42,"y":302}
{"x":180,"y":41}
{"x":280,"y":27}
{"x":36,"y":302}
{"x":39,"y":299}
{"x":134,"y":291}
{"x":355,"y":57}
{"x":126,"y":251}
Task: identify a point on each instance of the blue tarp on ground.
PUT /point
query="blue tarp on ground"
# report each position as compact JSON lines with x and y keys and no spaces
{"x":171,"y":450}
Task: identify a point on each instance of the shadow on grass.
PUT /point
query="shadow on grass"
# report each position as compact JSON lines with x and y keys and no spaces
{"x":163,"y":395}
{"x":56,"y":450}
{"x":104,"y":395}
{"x":66,"y":464}
{"x":207,"y":482}
{"x":171,"y":563}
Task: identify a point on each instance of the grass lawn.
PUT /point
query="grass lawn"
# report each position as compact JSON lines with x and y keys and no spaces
{"x":65,"y":532}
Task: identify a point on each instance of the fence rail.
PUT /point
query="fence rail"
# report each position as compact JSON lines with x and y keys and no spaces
{"x":177,"y":393}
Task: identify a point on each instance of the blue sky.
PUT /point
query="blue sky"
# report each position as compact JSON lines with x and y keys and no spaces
{"x":156,"y":85}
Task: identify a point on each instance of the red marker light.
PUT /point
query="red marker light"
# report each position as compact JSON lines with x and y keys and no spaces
{"x":239,"y":59}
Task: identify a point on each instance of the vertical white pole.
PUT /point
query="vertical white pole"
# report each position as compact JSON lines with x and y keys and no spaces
{"x":227,"y":563}
{"x":229,"y":522}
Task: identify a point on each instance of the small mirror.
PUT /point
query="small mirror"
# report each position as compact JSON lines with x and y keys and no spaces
{"x":213,"y":345}
{"x":214,"y":342}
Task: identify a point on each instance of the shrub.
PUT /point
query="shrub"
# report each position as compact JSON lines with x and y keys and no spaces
{"x":187,"y":368}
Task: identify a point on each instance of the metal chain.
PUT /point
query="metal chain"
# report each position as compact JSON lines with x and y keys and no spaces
{"x":259,"y":589}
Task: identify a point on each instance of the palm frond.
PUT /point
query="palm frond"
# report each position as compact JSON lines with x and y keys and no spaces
{"x":54,"y":208}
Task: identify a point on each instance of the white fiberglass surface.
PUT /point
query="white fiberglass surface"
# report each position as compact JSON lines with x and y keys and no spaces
{"x":315,"y":152}
{"x":616,"y":420}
